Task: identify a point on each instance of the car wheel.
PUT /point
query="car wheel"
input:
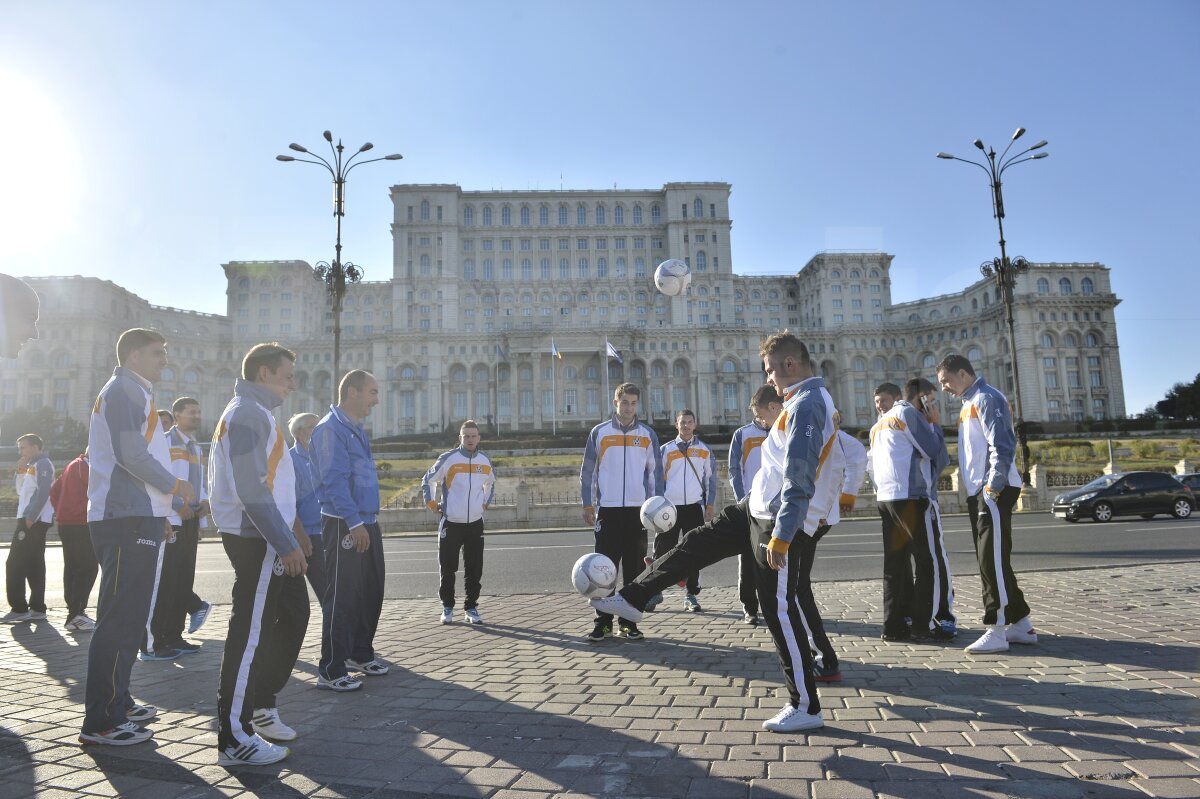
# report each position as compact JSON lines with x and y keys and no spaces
{"x":1103,"y":512}
{"x":1182,"y":509}
{"x":1147,"y":515}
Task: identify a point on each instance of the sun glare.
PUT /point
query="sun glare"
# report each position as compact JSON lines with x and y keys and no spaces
{"x":39,"y":201}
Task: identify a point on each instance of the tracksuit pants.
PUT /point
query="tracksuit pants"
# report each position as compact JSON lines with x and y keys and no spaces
{"x":808,"y":603}
{"x":468,"y":537}
{"x":353,"y":598}
{"x":991,"y":527}
{"x":905,"y":535}
{"x":79,"y":567}
{"x":260,"y":652}
{"x":621,"y":537}
{"x":734,"y":532}
{"x":747,"y":591}
{"x":316,"y":567}
{"x":943,"y":580}
{"x":27,"y":564}
{"x":687,"y":517}
{"x":175,"y":597}
{"x":127,"y":550}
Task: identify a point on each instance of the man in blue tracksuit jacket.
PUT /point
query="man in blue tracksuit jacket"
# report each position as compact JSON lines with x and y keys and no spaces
{"x":354,"y":568}
{"x":308,"y":507}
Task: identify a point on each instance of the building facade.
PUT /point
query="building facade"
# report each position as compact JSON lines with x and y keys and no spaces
{"x":485,"y":283}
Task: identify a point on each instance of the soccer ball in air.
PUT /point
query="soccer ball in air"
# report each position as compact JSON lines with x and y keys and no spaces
{"x":658,"y":514}
{"x":594,"y":575}
{"x":672,"y":277}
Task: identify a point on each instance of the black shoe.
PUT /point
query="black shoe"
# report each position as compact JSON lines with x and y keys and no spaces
{"x":935,"y":635}
{"x":826,"y":674}
{"x":630,"y":631}
{"x":185,"y":647}
{"x":600,"y":632}
{"x":750,"y":618}
{"x":897,"y":635}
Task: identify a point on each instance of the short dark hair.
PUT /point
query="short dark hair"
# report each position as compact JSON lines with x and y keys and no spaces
{"x":891,"y":389}
{"x":916,"y":387}
{"x":32,"y":438}
{"x":765,"y":396}
{"x":269,"y":355}
{"x":164,"y":412}
{"x":134,"y":339}
{"x":470,"y":423}
{"x":685,"y":412}
{"x":354,"y":379}
{"x":627,"y":388}
{"x":955,"y":363}
{"x":785,"y":344}
{"x":183,"y":402}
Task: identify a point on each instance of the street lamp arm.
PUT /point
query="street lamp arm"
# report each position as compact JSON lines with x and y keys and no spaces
{"x":370,"y":160}
{"x":948,"y":157}
{"x":321,"y":162}
{"x":1023,"y":160}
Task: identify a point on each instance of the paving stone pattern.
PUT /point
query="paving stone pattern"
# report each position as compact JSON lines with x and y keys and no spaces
{"x":523,"y":708}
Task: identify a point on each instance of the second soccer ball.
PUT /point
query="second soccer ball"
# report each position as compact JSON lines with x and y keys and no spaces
{"x":672,"y":277}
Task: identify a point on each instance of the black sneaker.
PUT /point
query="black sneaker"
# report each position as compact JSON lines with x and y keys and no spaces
{"x":600,"y":631}
{"x":826,"y":673}
{"x":935,"y":635}
{"x":630,"y":631}
{"x":750,"y":618}
{"x":185,"y":647}
{"x":896,"y":635}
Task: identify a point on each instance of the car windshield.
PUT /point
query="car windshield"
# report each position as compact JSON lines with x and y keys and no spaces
{"x":1102,"y":482}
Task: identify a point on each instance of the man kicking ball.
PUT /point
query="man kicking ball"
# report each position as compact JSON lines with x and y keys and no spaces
{"x":791,"y":496}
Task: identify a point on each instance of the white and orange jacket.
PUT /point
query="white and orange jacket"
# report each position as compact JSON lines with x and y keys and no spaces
{"x":251,"y":477}
{"x":903,"y":449}
{"x":465,"y":482}
{"x":622,"y":467}
{"x":987,"y":444}
{"x":802,"y":466}
{"x":187,"y":464}
{"x":689,"y":473}
{"x":745,"y":457}
{"x":33,"y":483}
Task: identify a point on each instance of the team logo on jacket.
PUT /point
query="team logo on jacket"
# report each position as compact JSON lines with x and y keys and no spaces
{"x":20,"y":535}
{"x":277,"y":567}
{"x":808,"y":431}
{"x":171,"y":537}
{"x":347,"y":542}
{"x":637,"y":441}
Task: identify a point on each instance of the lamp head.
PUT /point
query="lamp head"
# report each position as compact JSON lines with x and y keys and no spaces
{"x":328,"y":136}
{"x":297,"y":148}
{"x":365,"y":147}
{"x":284,"y":158}
{"x":1039,"y":145}
{"x":1019,"y":133}
{"x":1039,"y":155}
{"x":978,"y":143}
{"x":393,"y":157}
{"x":945,"y":155}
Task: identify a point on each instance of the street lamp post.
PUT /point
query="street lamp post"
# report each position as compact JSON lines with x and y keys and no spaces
{"x":337,"y":274}
{"x":1002,"y":270}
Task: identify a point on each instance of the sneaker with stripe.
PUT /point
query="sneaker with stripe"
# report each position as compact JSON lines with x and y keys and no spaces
{"x":266,"y":723}
{"x":141,"y":713}
{"x":372,"y":668}
{"x":196,"y":620}
{"x":341,"y":684}
{"x":127,"y":734}
{"x":258,"y":752}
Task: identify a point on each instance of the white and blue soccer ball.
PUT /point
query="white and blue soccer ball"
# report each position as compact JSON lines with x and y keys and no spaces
{"x":658,"y":514}
{"x":672,"y":277}
{"x":594,"y":575}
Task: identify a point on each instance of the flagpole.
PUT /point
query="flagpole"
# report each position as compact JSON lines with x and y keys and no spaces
{"x":554,"y":386}
{"x":604,"y":365}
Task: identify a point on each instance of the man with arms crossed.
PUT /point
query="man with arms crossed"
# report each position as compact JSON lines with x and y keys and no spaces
{"x":986,"y":446}
{"x":354,"y":567}
{"x":253,"y":497}
{"x":745,"y":456}
{"x":130,"y":486}
{"x":622,"y":468}
{"x":465,"y":482}
{"x":791,"y":498}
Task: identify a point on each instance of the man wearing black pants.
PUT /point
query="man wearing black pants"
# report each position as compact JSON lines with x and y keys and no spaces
{"x":68,"y":494}
{"x":308,"y":507}
{"x":792,"y":495}
{"x":622,"y":468}
{"x":464,"y":481}
{"x":986,"y":450}
{"x":253,"y":497}
{"x":354,"y":567}
{"x":27,"y":553}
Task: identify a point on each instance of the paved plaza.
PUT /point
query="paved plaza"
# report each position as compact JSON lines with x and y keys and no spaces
{"x":524,"y":708}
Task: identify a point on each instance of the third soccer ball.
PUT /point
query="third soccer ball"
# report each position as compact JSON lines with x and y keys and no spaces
{"x":658,"y":514}
{"x":594,"y":575}
{"x":672,"y":277}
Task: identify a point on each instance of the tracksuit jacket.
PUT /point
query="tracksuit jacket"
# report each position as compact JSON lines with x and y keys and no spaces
{"x":626,"y":461}
{"x":802,"y":442}
{"x":130,"y":473}
{"x":854,"y":456}
{"x":252,"y":481}
{"x":465,"y":485}
{"x":308,"y":507}
{"x":985,"y":413}
{"x":683,"y":486}
{"x":187,"y":464}
{"x":33,"y":490}
{"x":349,"y":484}
{"x":68,"y":494}
{"x":903,"y":446}
{"x":745,"y":457}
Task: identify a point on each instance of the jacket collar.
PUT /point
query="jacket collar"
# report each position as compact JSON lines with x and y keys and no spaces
{"x":617,"y":423}
{"x":122,"y":371}
{"x":974,"y":388}
{"x":803,"y":385}
{"x":260,"y":394}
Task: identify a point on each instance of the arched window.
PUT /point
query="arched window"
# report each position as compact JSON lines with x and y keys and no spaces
{"x":927,"y":361}
{"x":637,"y":214}
{"x":974,"y":304}
{"x":525,"y":373}
{"x":487,"y":216}
{"x":859,"y":364}
{"x":580,"y":215}
{"x":480,"y":375}
{"x":244,"y":283}
{"x":407,"y":373}
{"x":636,"y":370}
{"x":600,"y":214}
{"x":583,"y":268}
{"x":987,"y":300}
{"x":1069,"y":340}
{"x":1064,"y":286}
{"x":898,"y":364}
{"x":1047,"y":340}
{"x":191,"y":376}
{"x":729,"y":366}
{"x":1085,"y":286}
{"x":935,"y":314}
{"x":1043,"y":286}
{"x":854,"y":274}
{"x":701,"y":260}
{"x":974,"y":356}
{"x":836,"y":274}
{"x":505,"y":216}
{"x":874,"y":273}
{"x":914,"y":317}
{"x":524,"y":214}
{"x":680,"y":369}
{"x":879,"y":365}
{"x":469,"y":269}
{"x":468,"y":216}
{"x":601,"y":267}
{"x":619,"y":215}
{"x":1092,"y":340}
{"x":655,"y":214}
{"x":424,"y":210}
{"x":458,"y":374}
{"x":425,"y":268}
{"x":544,"y":215}
{"x":698,"y":208}
{"x":562,"y":214}
{"x":955,"y":310}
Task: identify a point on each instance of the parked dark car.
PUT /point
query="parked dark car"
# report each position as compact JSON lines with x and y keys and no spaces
{"x":1192,"y":481}
{"x":1129,"y":494}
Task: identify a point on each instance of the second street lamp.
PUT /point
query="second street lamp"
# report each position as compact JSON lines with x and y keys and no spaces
{"x":337,"y":274}
{"x":1003,"y":271}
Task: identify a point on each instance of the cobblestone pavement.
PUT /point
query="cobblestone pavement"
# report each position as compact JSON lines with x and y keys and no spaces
{"x":523,"y":708}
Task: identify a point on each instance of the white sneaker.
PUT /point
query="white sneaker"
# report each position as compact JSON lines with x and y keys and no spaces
{"x":473,"y":616}
{"x":266,"y":723}
{"x":80,"y":624}
{"x":141,"y":713}
{"x":16,"y":617}
{"x":793,"y":719}
{"x":617,"y":605}
{"x":992,"y":640}
{"x":447,"y":615}
{"x":196,"y":620}
{"x":127,"y":734}
{"x":341,"y":684}
{"x":1021,"y":632}
{"x":371,"y":668}
{"x":259,"y":752}
{"x":37,"y":615}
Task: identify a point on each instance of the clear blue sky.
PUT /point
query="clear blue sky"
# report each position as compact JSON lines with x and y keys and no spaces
{"x":139,"y":138}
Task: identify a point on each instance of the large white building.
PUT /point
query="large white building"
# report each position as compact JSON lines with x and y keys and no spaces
{"x":483,"y":282}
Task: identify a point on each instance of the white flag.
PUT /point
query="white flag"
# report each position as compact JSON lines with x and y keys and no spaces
{"x":612,"y":351}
